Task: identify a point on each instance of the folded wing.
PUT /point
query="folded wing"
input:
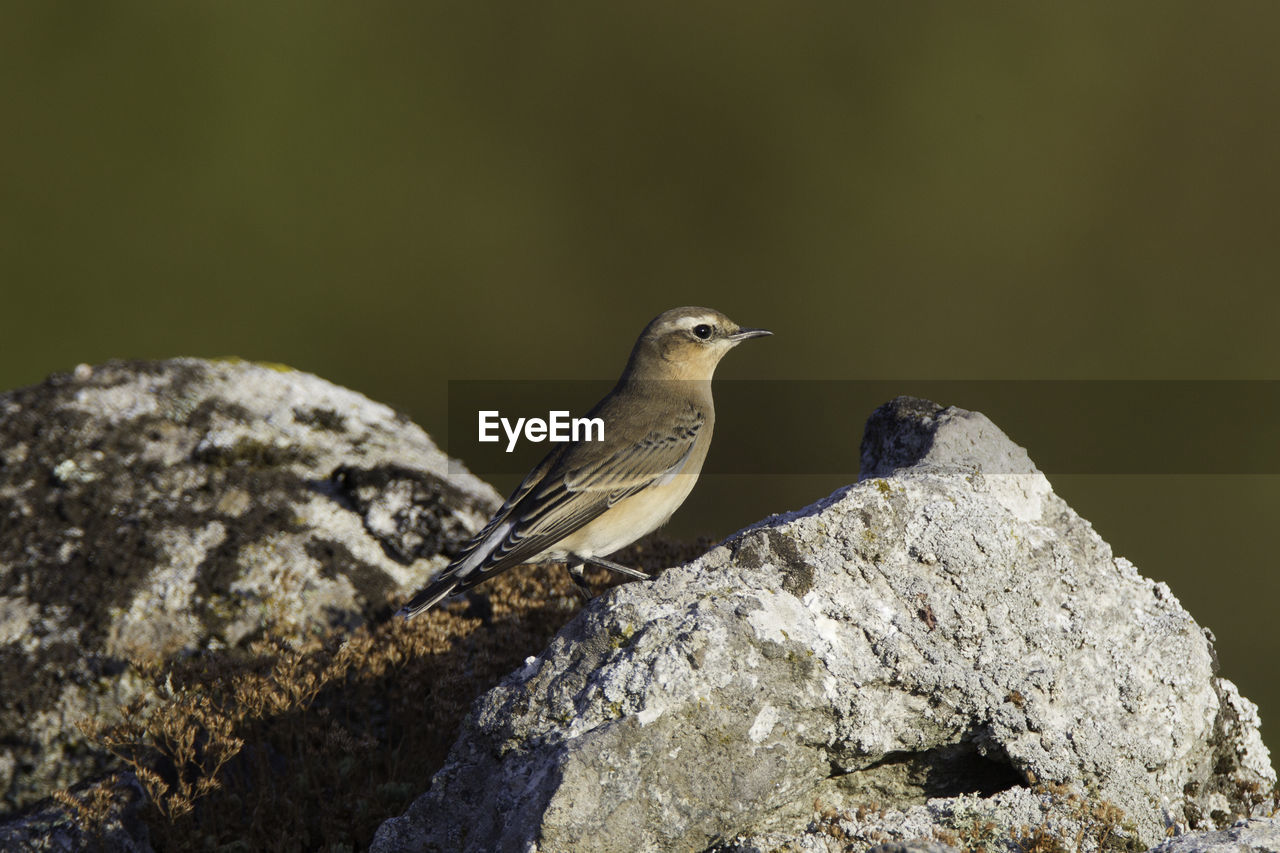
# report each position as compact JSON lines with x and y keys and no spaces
{"x":571,"y":487}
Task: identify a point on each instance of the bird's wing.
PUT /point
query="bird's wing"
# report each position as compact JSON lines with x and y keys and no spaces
{"x":660,"y":453}
{"x":580,"y":486}
{"x":570,"y":488}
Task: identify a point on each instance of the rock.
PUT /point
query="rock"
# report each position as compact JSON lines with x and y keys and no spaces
{"x":101,"y":817}
{"x":153,"y":509}
{"x":1262,"y":836}
{"x":942,"y":653}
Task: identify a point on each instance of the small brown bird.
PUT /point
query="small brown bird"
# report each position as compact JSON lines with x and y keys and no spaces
{"x":587,"y":499}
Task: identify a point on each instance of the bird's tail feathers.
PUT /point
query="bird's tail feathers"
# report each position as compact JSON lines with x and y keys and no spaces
{"x":429,"y":597}
{"x":459,"y":573}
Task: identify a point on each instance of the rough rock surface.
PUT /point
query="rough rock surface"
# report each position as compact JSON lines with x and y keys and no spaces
{"x":149,"y":509}
{"x":1262,"y":836}
{"x":66,"y":827}
{"x":943,"y":652}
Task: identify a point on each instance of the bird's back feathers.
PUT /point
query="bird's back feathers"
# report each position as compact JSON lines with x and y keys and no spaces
{"x":580,"y":481}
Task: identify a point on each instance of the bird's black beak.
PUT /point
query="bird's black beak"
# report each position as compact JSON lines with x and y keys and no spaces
{"x":744,"y":334}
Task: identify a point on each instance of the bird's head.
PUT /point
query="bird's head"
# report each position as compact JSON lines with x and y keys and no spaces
{"x":686,"y":343}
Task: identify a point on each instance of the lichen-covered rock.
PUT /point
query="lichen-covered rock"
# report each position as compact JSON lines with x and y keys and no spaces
{"x":944,"y":652}
{"x":149,"y":509}
{"x":1247,"y":836}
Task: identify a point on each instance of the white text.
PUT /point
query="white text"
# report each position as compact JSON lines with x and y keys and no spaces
{"x":557,"y":427}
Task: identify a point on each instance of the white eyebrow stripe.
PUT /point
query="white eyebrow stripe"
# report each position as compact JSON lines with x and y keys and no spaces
{"x":691,"y":321}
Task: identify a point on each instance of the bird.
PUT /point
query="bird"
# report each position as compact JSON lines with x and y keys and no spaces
{"x":587,"y":499}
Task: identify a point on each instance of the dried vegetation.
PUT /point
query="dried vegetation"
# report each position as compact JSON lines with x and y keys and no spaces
{"x":286,"y":747}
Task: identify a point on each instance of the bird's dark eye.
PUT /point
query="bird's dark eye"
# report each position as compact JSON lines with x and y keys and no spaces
{"x":702,"y":330}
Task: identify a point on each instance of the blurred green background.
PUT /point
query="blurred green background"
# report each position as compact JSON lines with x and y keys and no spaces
{"x":398,"y":195}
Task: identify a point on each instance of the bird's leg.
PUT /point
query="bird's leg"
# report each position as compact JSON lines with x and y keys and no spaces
{"x":613,"y":567}
{"x":579,"y":579}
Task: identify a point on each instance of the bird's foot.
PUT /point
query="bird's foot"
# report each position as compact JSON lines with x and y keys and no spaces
{"x":579,"y":581}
